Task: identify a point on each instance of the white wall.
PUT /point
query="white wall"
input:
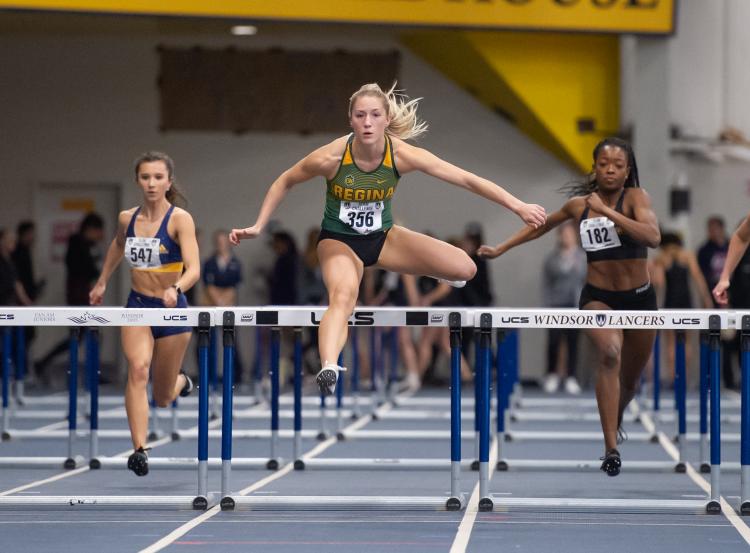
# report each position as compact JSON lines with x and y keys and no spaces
{"x":79,"y":107}
{"x":708,"y":67}
{"x":708,"y":90}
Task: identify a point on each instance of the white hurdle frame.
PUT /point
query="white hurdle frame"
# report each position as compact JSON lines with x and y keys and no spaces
{"x":297,"y":317}
{"x":490,"y":319}
{"x":98,"y":317}
{"x":485,"y":320}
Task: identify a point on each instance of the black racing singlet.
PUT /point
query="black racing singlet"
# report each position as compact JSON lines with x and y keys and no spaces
{"x":601,"y":246}
{"x":677,"y":287}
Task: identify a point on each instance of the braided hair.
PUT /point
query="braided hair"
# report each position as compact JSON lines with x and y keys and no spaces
{"x":589,"y":185}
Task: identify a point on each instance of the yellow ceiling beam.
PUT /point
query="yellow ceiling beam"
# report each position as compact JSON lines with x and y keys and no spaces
{"x":547,"y":84}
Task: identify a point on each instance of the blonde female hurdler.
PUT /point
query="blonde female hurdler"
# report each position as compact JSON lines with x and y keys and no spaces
{"x":362,"y":171}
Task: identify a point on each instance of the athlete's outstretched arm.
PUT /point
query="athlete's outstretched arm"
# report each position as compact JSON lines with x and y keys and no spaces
{"x":319,"y":163}
{"x":528,"y":233}
{"x":114,"y":255}
{"x":411,"y":158}
{"x":737,"y":246}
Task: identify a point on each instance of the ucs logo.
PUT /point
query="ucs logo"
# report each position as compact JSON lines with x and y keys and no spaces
{"x":515,"y":319}
{"x":686,"y":321}
{"x":7,"y":316}
{"x":175,"y":317}
{"x":360,"y":318}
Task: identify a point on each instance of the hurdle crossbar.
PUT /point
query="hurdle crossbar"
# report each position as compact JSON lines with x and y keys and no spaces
{"x":711,"y":321}
{"x":94,"y":318}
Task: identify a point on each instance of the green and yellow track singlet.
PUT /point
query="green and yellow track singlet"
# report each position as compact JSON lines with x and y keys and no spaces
{"x":359,"y":202}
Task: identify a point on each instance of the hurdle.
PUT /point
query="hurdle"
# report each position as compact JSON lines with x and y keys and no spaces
{"x":742,"y":324}
{"x":96,"y":318}
{"x":298,"y":317}
{"x":680,"y":417}
{"x":541,"y":318}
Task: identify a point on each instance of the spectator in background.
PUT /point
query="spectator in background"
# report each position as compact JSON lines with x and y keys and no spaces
{"x":11,"y":289}
{"x":478,"y":290}
{"x":194,"y":296}
{"x":713,"y":252}
{"x":564,"y":275}
{"x":386,"y":288}
{"x":222,"y":275}
{"x":739,"y":298}
{"x":222,"y":272}
{"x":283,"y":280}
{"x":711,"y":257}
{"x":312,"y":291}
{"x":82,"y":266}
{"x":434,"y":340}
{"x":675,"y":275}
{"x":23,"y":261}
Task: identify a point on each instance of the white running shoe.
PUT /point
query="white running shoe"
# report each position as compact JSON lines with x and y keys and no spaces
{"x":572,"y":387}
{"x":551,"y":383}
{"x":327,"y":378}
{"x":453,"y":283}
{"x":413,"y":382}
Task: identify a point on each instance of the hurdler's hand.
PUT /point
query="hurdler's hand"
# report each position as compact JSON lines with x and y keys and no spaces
{"x":532,"y":214}
{"x":238,"y":234}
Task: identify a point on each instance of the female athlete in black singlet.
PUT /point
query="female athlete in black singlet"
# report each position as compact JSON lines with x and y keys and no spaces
{"x":616,"y":225}
{"x":677,"y":273}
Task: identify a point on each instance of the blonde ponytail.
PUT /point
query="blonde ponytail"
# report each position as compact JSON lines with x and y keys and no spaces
{"x":401,"y":110}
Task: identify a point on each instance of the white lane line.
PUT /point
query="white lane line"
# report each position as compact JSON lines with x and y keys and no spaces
{"x":182,"y":530}
{"x":97,"y":521}
{"x":69,"y":473}
{"x":369,"y":521}
{"x":286,"y":469}
{"x":49,"y":480}
{"x":64,"y":423}
{"x":461,"y":541}
{"x":726,"y":509}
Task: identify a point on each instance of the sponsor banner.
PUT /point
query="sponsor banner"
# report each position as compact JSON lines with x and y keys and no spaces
{"x":311,"y":316}
{"x":619,"y":16}
{"x":383,"y":316}
{"x":99,"y":316}
{"x":573,"y":318}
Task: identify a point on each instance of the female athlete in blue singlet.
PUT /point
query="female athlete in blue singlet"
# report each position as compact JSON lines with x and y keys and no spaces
{"x":362,"y":171}
{"x":616,"y":226}
{"x":158,"y":241}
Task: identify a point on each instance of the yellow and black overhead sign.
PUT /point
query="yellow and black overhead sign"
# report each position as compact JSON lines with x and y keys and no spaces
{"x":618,"y":16}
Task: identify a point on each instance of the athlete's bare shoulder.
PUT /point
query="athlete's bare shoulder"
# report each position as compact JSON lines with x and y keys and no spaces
{"x":638,"y":194}
{"x":181,"y":213}
{"x":326,"y":159}
{"x":125,"y":215}
{"x":409,"y":157}
{"x":574,"y":206}
{"x":402,"y":146}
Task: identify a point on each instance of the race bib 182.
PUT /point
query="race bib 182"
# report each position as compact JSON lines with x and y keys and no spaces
{"x":598,"y":233}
